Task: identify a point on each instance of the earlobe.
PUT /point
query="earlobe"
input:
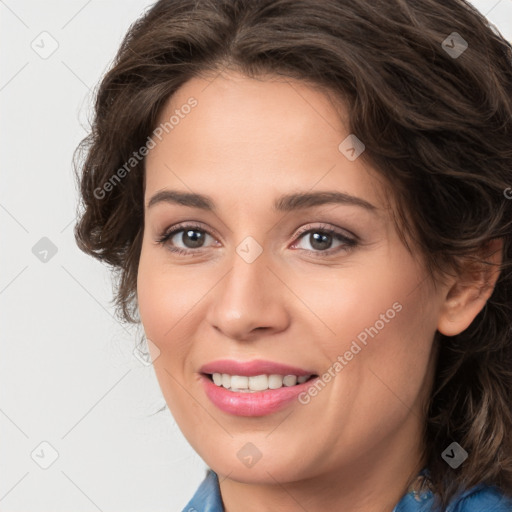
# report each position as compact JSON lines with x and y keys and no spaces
{"x":468,"y":294}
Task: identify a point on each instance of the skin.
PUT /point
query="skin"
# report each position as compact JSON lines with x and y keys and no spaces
{"x":355,"y":445}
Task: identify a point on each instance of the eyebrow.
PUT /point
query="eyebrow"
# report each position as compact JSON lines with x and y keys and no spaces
{"x":285,"y":203}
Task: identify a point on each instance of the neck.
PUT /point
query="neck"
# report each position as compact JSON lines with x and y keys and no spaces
{"x":374,"y":482}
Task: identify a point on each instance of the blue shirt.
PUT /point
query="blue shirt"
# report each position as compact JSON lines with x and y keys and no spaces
{"x":477,"y":499}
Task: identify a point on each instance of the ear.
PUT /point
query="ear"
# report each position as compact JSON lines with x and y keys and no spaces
{"x":470,"y":290}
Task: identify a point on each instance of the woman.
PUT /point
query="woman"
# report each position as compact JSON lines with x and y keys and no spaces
{"x":307,"y":205}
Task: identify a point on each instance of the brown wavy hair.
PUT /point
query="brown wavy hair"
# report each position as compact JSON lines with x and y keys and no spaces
{"x":437,"y":128}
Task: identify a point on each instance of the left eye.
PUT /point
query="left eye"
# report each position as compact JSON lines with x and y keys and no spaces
{"x":193,"y":237}
{"x":321,"y":240}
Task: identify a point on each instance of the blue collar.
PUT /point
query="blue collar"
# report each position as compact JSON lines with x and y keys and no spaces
{"x":477,"y":499}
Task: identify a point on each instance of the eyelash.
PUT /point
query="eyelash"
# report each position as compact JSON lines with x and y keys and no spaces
{"x":349,"y":243}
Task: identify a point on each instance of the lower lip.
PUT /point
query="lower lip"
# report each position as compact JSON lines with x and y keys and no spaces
{"x":259,"y":403}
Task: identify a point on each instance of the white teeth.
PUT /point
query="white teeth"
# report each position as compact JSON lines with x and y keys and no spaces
{"x":246,"y":384}
{"x":275,"y":381}
{"x":238,"y":382}
{"x":258,"y":383}
{"x":290,"y":380}
{"x":226,"y":380}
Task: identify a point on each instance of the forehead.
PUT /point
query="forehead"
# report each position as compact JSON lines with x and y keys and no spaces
{"x":256,"y":136}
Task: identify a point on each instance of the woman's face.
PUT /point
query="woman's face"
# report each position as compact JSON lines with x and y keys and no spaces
{"x":262,"y":282}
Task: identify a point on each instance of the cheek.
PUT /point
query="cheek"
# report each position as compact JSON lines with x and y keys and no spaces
{"x":171,"y":305}
{"x":164,"y":293}
{"x":149,"y":296}
{"x":162,"y":299}
{"x":393,"y":364}
{"x":165,"y":302}
{"x":382,"y":320}
{"x":384,"y":337}
{"x":362,"y":302}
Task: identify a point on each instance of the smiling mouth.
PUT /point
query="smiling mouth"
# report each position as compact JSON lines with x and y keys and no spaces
{"x":256,"y":383}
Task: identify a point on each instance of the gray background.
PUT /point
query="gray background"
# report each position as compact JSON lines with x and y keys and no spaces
{"x":68,"y":375}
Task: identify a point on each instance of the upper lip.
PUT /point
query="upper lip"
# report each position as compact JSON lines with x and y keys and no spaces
{"x":252,"y":368}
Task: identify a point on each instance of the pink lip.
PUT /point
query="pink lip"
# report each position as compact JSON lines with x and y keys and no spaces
{"x":259,"y":403}
{"x":252,"y":368}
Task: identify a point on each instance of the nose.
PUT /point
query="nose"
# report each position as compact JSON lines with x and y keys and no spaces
{"x":249,"y":300}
